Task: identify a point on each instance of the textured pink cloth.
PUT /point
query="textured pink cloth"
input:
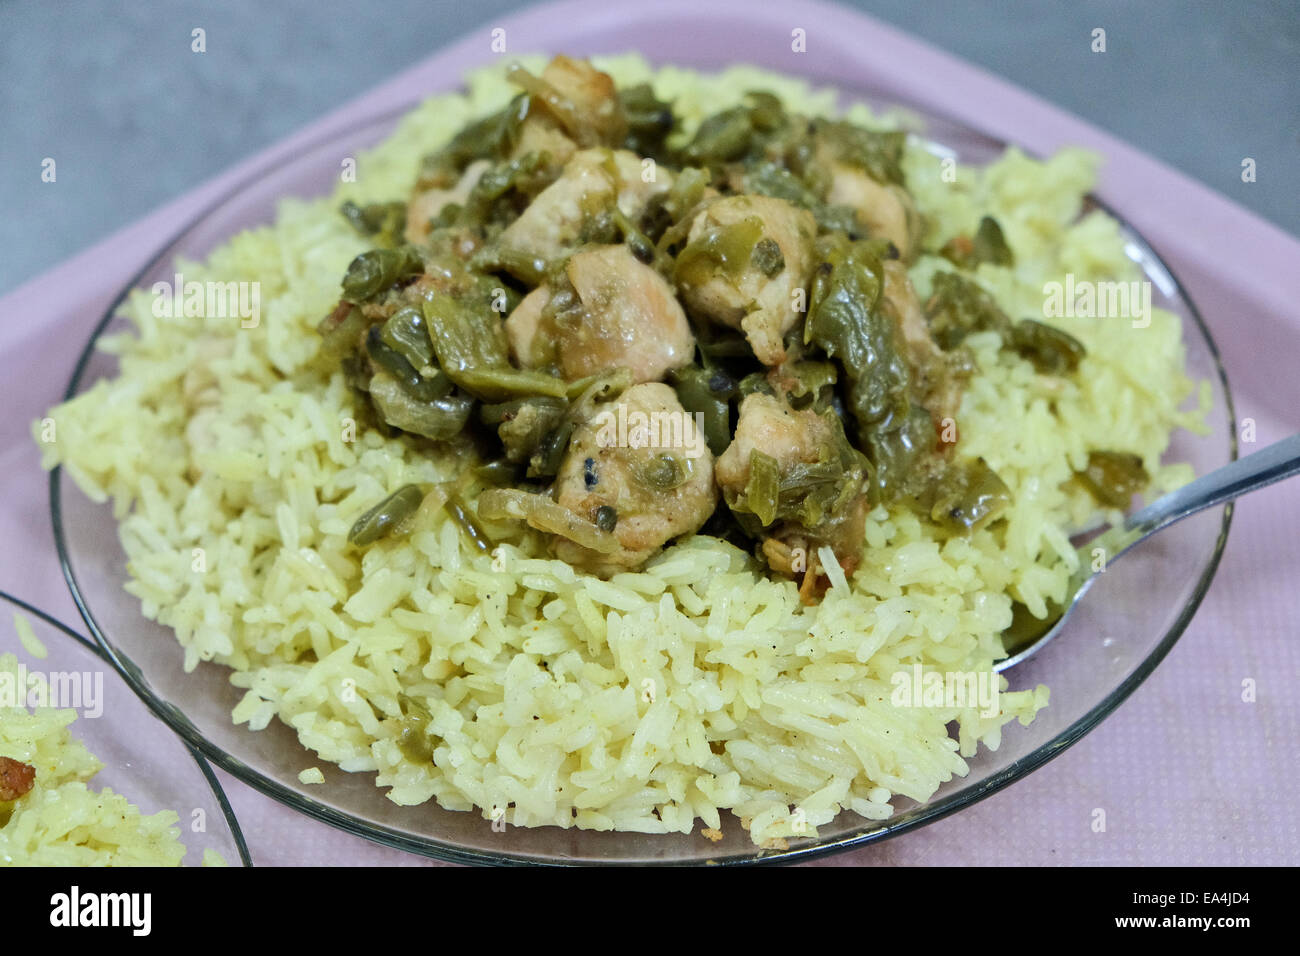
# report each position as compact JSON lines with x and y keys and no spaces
{"x":1187,"y":772}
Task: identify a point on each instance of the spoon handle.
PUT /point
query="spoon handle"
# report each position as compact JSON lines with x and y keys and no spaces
{"x":1277,"y":461}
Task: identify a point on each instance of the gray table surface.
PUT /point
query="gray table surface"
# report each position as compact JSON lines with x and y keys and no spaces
{"x":112,"y":92}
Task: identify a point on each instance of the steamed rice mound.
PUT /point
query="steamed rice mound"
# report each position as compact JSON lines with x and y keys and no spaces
{"x":508,"y":681}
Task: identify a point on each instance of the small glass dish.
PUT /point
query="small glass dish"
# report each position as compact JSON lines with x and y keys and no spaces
{"x":143,"y":760}
{"x":1126,"y":626}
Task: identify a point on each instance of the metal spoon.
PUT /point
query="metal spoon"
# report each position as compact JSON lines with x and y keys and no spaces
{"x":1027,"y":634}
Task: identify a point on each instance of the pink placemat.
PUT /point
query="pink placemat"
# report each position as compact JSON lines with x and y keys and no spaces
{"x":1187,"y":771}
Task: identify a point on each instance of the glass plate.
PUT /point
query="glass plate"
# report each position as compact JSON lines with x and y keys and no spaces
{"x":143,"y":760}
{"x":1124,"y":629}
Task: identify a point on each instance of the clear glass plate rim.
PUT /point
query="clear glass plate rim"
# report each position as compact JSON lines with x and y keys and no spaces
{"x":386,"y":836}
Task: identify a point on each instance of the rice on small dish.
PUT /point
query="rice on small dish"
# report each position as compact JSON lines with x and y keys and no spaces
{"x":49,"y":814}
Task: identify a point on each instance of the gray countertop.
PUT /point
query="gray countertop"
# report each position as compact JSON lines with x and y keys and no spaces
{"x":132,"y":117}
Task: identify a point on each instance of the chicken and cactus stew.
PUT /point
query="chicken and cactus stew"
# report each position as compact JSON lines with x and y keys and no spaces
{"x":643,"y":338}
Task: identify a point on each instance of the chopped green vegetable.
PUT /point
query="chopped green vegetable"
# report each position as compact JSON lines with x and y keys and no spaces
{"x":649,"y":119}
{"x":767,"y":178}
{"x":879,"y":154}
{"x":413,"y":730}
{"x":485,"y":202}
{"x":762,"y":495}
{"x":845,"y":321}
{"x":391,"y":361}
{"x":523,"y":424}
{"x":989,"y":245}
{"x":666,"y":216}
{"x":489,"y":138}
{"x":1114,"y":477}
{"x":497,"y":473}
{"x":958,"y":307}
{"x":546,"y":460}
{"x":470,"y":345}
{"x":708,"y":392}
{"x":341,"y":331}
{"x":405,"y":333}
{"x":504,"y":381}
{"x":811,"y":383}
{"x":438,"y":418}
{"x":721,"y":137}
{"x":463,"y":515}
{"x":1052,"y":351}
{"x":736,"y":132}
{"x":719,"y":249}
{"x":897,"y":448}
{"x":755,"y":382}
{"x":382,"y":221}
{"x":378,"y":270}
{"x":968,"y":496}
{"x":383,"y":518}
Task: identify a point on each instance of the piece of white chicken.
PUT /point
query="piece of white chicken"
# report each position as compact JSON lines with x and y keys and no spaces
{"x":937,"y":374}
{"x":652,"y":477}
{"x":761,"y":297}
{"x":793,"y":438}
{"x":625,"y":316}
{"x":592,"y":181}
{"x":575,"y":106}
{"x":769,"y":425}
{"x":629,"y":318}
{"x":886,"y":210}
{"x":426,"y":205}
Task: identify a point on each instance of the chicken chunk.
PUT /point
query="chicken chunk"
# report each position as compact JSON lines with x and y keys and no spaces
{"x":758,"y":295}
{"x":425,"y":205}
{"x":769,"y":425}
{"x":938,"y":376}
{"x":531,"y":342}
{"x":639,"y":181}
{"x":542,"y":135}
{"x":629,"y":319}
{"x":624,"y":316}
{"x":795,"y":439}
{"x":574,"y":106}
{"x":885,"y":210}
{"x":586,"y":102}
{"x":642,"y":462}
{"x":591,"y":182}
